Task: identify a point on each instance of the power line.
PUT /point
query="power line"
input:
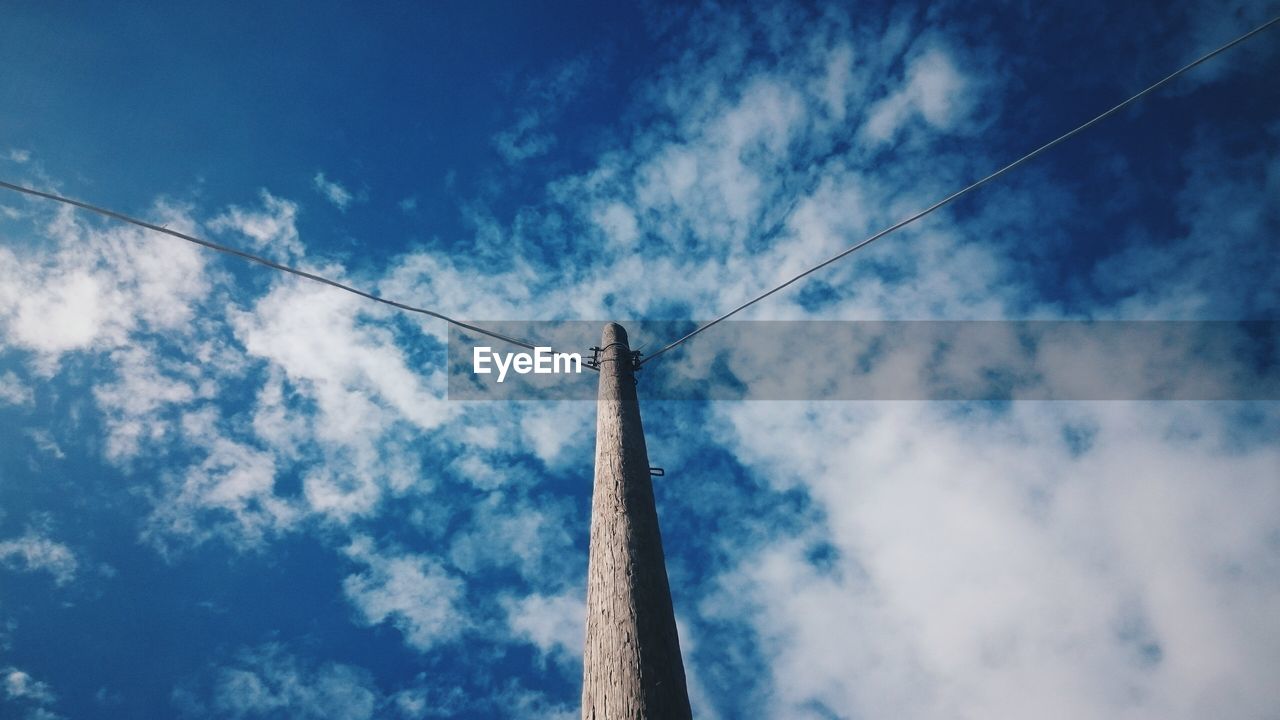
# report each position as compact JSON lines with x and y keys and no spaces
{"x":1025,"y":158}
{"x":260,"y":260}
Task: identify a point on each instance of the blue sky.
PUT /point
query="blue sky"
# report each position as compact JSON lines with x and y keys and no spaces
{"x":229,"y":493}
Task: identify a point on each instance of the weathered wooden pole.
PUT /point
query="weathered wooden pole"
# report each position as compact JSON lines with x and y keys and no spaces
{"x":631,"y":662}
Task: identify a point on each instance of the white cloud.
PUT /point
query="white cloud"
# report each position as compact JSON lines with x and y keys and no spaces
{"x":268,"y":681}
{"x":144,"y":390}
{"x":272,"y":229}
{"x":18,"y":156}
{"x":32,"y":553}
{"x":46,"y":444}
{"x":332,"y":191}
{"x":476,"y":471}
{"x":91,"y":287}
{"x":523,"y":140}
{"x":440,"y":280}
{"x":230,"y":493}
{"x":23,"y":691}
{"x":542,"y":100}
{"x":413,"y":592}
{"x":986,"y":571}
{"x":1225,"y":205}
{"x":20,"y":685}
{"x":338,"y":349}
{"x":549,"y":430}
{"x":618,"y":223}
{"x":527,"y":535}
{"x":273,"y":420}
{"x":342,"y":495}
{"x":13,"y":391}
{"x":935,"y":90}
{"x":69,"y":315}
{"x":552,"y":623}
{"x":532,"y":704}
{"x":838,"y":81}
{"x":336,"y":356}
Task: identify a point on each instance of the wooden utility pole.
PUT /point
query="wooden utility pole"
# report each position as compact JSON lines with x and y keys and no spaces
{"x":631,"y":663}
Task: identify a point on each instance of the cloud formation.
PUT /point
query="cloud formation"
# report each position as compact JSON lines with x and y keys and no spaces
{"x":333,"y":192}
{"x":970,"y":560}
{"x":269,"y":681}
{"x":414,"y":592}
{"x":35,"y":553}
{"x":24,"y":694}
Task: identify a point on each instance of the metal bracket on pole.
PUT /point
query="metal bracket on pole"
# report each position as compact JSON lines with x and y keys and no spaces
{"x":657,"y":472}
{"x":594,"y":362}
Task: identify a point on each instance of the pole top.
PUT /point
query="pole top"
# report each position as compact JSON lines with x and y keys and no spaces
{"x":613,"y":333}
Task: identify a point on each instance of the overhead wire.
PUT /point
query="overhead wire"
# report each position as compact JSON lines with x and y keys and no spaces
{"x":973,"y":186}
{"x":262,"y":261}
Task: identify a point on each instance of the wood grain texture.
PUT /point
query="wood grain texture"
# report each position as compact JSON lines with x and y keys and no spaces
{"x":631,"y":662}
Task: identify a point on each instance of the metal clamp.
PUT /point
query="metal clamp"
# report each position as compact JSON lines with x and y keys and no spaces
{"x":656,"y":472}
{"x":595,"y":361}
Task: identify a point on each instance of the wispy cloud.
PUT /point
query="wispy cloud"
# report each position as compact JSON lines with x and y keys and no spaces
{"x":90,"y":288}
{"x":279,"y":679}
{"x":36,"y":553}
{"x":935,"y":90}
{"x":13,"y":391}
{"x":554,"y":624}
{"x":34,"y":697}
{"x":541,"y":101}
{"x":45,"y":442}
{"x":273,"y":228}
{"x":332,"y":191}
{"x":234,"y":482}
{"x":19,"y":685}
{"x":269,"y":681}
{"x":413,"y":592}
